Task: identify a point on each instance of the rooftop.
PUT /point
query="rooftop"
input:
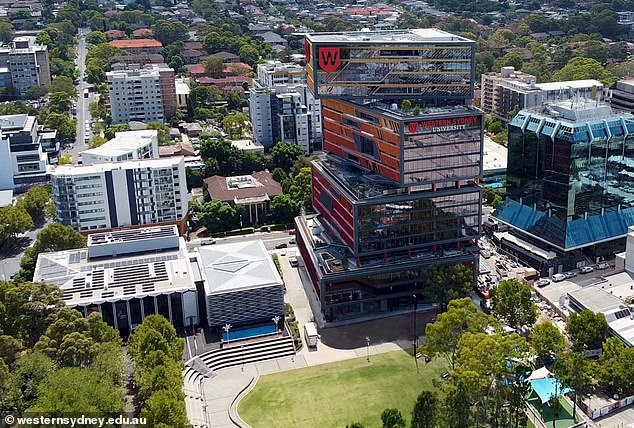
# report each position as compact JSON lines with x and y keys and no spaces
{"x":73,"y":170}
{"x":495,"y":155}
{"x":257,"y":185}
{"x":420,"y":35}
{"x":136,"y":43}
{"x":13,"y":121}
{"x":573,"y":111}
{"x":125,"y":142}
{"x":182,"y":88}
{"x":91,"y":281}
{"x":236,"y":266}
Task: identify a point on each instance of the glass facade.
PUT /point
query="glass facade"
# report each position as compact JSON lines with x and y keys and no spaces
{"x":571,"y":182}
{"x":425,"y":71}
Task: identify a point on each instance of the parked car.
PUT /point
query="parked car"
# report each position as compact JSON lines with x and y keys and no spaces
{"x":293,"y":261}
{"x":291,"y":232}
{"x":207,"y":241}
{"x":586,"y":269}
{"x":603,"y":265}
{"x":558,"y":277}
{"x":281,"y":245}
{"x":542,"y":283}
{"x":570,"y":274}
{"x":291,"y":241}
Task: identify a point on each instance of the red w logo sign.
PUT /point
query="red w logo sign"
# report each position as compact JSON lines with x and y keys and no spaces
{"x":307,"y":51}
{"x":329,"y":59}
{"x":412,"y":127}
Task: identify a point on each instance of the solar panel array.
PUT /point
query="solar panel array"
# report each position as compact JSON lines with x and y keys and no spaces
{"x":133,"y":235}
{"x":623,"y":313}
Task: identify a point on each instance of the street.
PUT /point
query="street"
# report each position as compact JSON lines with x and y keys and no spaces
{"x":11,"y":254}
{"x":83,"y":113}
{"x":270,"y":239}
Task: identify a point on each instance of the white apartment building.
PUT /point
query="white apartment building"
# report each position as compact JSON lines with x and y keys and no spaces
{"x":24,"y":64}
{"x":129,"y":145}
{"x":22,"y":160}
{"x":282,"y":108}
{"x":129,"y":193}
{"x":142,"y":94}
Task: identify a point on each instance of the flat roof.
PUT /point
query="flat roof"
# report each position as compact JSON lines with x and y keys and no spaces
{"x":90,"y":282}
{"x":569,"y":84}
{"x":72,"y":170}
{"x":182,"y":88}
{"x":419,"y":35}
{"x":236,"y":267}
{"x":124,"y":142}
{"x":596,"y":299}
{"x":495,"y":155}
{"x":548,"y":255}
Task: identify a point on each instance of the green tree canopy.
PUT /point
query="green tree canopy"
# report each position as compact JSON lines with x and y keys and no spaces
{"x":26,"y":376}
{"x":235,"y":124}
{"x":574,"y":370}
{"x":447,"y":282}
{"x":6,"y":31}
{"x":163,"y":132}
{"x":35,"y":200}
{"x":13,"y":221}
{"x":547,"y":340}
{"x":64,"y":85}
{"x":300,"y":190}
{"x":65,"y":126}
{"x":512,"y":304}
{"x":168,"y":32}
{"x":112,"y":130}
{"x":614,"y":368}
{"x":283,"y":209}
{"x":587,"y":330}
{"x":214,"y":66}
{"x":284,"y":155}
{"x":392,"y":418}
{"x":96,"y":37}
{"x":425,"y":412}
{"x":580,"y":68}
{"x":216,"y":216}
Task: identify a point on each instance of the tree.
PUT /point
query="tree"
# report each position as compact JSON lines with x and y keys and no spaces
{"x":457,"y":407}
{"x":168,"y":32}
{"x":355,"y":425}
{"x":443,"y":283}
{"x":98,"y":110}
{"x":36,"y":92}
{"x":65,"y":159}
{"x":547,"y":340}
{"x":194,"y":178}
{"x":64,"y":85}
{"x":235,"y":124}
{"x":216,"y":216}
{"x":112,"y":130}
{"x":511,"y":59}
{"x":163,"y":133}
{"x":574,"y":371}
{"x":283,"y":209}
{"x":300,"y":189}
{"x":284,"y":155}
{"x":165,"y":408}
{"x":214,"y":66}
{"x":96,"y":37}
{"x":443,"y":335}
{"x":613,"y":370}
{"x":249,"y":54}
{"x":35,"y":200}
{"x":97,"y":141}
{"x":65,"y":126}
{"x":154,"y":334}
{"x":425,"y":411}
{"x":512,"y":304}
{"x":6,"y":31}
{"x":27,"y":374}
{"x":584,"y":68}
{"x":392,"y":418}
{"x":587,"y":330}
{"x":74,"y":391}
{"x":279,"y":175}
{"x":13,"y":221}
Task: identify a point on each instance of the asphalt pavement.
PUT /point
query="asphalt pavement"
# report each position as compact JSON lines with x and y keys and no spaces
{"x":83,"y":113}
{"x":12,"y":252}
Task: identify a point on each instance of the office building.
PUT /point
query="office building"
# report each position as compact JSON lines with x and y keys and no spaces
{"x":397,"y":190}
{"x":145,"y":94}
{"x":23,"y":161}
{"x":127,"y":275}
{"x":23,"y":65}
{"x":241,"y":284}
{"x":621,"y":96}
{"x":130,"y":145}
{"x":569,"y":179}
{"x":130,"y":193}
{"x":282,"y":109}
{"x":510,"y":91}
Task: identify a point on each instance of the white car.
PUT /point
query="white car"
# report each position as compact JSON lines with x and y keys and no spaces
{"x":586,"y":269}
{"x":542,"y":283}
{"x":558,"y":277}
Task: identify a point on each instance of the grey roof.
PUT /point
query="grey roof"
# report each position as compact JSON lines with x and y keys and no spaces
{"x":6,"y":198}
{"x":236,"y":267}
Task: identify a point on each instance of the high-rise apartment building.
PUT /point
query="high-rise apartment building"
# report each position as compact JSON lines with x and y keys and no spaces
{"x":145,"y":94}
{"x":397,"y":190}
{"x":283,"y":109}
{"x":109,"y":195}
{"x":22,"y":159}
{"x":570,"y":181}
{"x":25,"y":64}
{"x":510,"y":91}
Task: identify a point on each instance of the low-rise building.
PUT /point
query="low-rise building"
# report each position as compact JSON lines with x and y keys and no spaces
{"x":254,"y":192}
{"x":22,"y":159}
{"x":129,"y":193}
{"x":129,"y":145}
{"x":248,"y":146}
{"x":139,"y":46}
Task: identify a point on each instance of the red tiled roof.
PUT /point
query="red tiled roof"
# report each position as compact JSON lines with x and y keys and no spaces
{"x":230,"y":67}
{"x":217,"y":187}
{"x":237,"y":80}
{"x":141,"y":32}
{"x":196,"y":69}
{"x":136,"y":43}
{"x":194,"y":45}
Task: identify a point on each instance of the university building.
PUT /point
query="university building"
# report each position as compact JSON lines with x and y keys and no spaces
{"x":397,"y":190}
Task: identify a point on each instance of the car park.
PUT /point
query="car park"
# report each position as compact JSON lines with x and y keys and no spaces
{"x":558,"y":277}
{"x":603,"y":265}
{"x":542,"y":283}
{"x":586,"y":269}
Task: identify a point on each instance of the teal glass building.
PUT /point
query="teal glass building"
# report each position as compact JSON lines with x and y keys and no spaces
{"x":570,"y":177}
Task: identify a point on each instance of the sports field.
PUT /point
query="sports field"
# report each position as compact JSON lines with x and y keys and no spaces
{"x":336,"y":394}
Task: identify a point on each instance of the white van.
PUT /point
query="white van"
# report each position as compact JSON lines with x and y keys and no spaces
{"x":310,"y":334}
{"x":558,"y":277}
{"x":207,"y":241}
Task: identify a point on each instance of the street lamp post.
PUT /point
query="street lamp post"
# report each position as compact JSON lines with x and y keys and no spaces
{"x":367,"y":347}
{"x":240,"y":221}
{"x":415,"y":341}
{"x":276,"y":319}
{"x":226,"y":328}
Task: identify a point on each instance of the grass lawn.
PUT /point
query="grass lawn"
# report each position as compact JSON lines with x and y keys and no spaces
{"x":564,"y":419}
{"x":336,"y":394}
